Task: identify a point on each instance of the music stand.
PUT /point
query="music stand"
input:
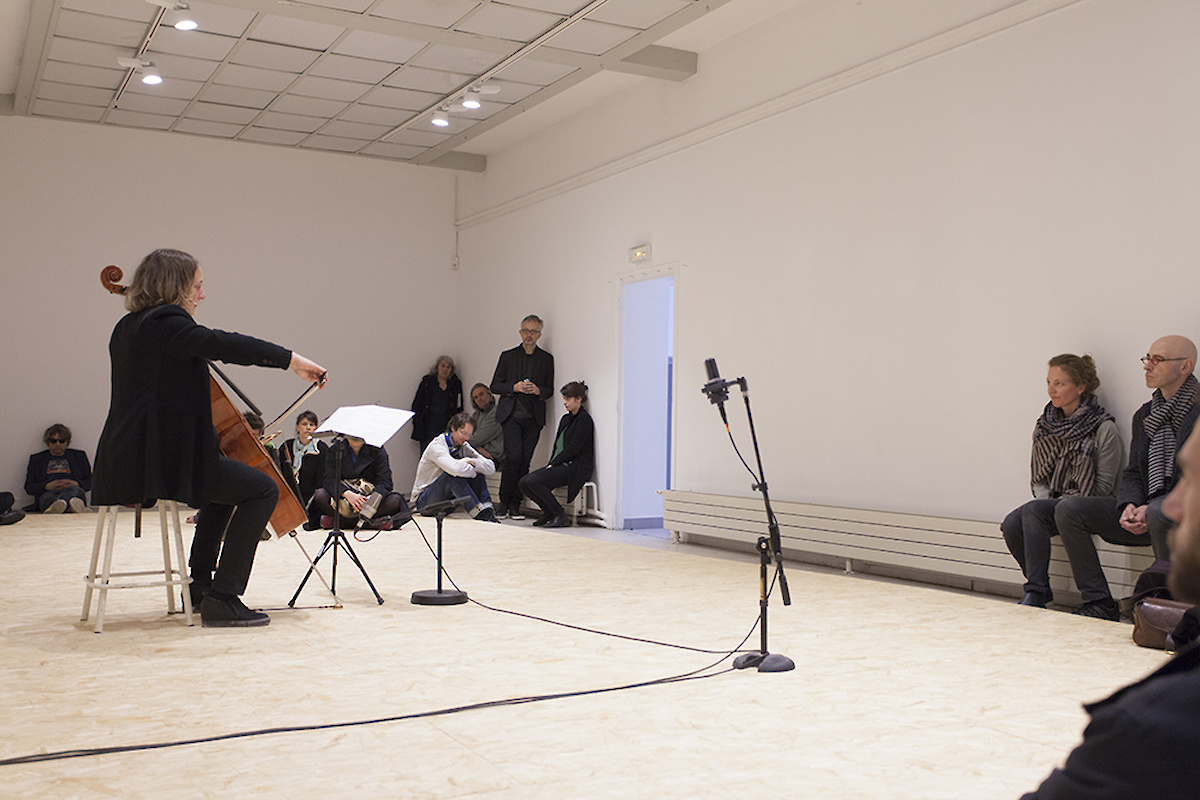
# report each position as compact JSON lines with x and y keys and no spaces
{"x":375,"y":425}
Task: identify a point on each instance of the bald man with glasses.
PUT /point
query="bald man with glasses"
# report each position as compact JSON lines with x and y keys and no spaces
{"x":1135,"y":516}
{"x":523,"y":381}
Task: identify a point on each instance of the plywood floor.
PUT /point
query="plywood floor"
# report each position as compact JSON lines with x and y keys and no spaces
{"x":900,"y":691}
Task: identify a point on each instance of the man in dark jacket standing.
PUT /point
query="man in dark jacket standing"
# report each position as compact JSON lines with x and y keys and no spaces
{"x":524,"y":381}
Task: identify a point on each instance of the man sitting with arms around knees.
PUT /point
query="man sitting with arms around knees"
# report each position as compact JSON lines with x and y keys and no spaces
{"x":1142,"y":741}
{"x":1135,"y":517}
{"x":451,"y":468}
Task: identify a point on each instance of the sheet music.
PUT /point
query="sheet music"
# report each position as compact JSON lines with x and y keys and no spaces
{"x":373,"y":424}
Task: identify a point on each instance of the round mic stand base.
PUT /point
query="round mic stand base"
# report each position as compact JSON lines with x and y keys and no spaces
{"x":440,"y":596}
{"x":765,"y":662}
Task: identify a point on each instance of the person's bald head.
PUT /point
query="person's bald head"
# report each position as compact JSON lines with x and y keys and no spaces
{"x":1168,"y":363}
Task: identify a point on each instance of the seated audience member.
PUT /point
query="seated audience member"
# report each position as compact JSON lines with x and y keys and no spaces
{"x":360,"y":462}
{"x":438,"y":398}
{"x":488,"y":438}
{"x":58,"y":477}
{"x":571,"y":461}
{"x":1135,"y":515}
{"x":8,"y":514}
{"x":450,"y":468}
{"x":1076,"y":453}
{"x":305,"y":456}
{"x":1142,"y":741}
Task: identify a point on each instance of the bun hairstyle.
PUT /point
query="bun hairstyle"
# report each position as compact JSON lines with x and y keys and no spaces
{"x":1080,"y":369}
{"x":575,"y":389}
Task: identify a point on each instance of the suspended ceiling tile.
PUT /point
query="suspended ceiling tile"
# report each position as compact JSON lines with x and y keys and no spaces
{"x":74,"y":51}
{"x":310,"y":106}
{"x":511,"y":92}
{"x":438,"y":13}
{"x":355,"y":130}
{"x":136,"y":119}
{"x":506,"y":22}
{"x":357,"y":6}
{"x":215,"y":112}
{"x":378,"y":46}
{"x":329,"y":89}
{"x":83,"y":75}
{"x":237,"y":96}
{"x":207,"y":128}
{"x":400,"y":98}
{"x":191,"y":43}
{"x":541,"y":73}
{"x":272,"y":136}
{"x":96,"y":28}
{"x":125,"y":9}
{"x":53,"y":108}
{"x":419,"y":138}
{"x":289,"y":122}
{"x":456,"y":59}
{"x":254,"y":78}
{"x":184,"y":90}
{"x":390,"y":150}
{"x":195,"y":69}
{"x":319,"y":142}
{"x":428,"y":80}
{"x":564,"y":7}
{"x":273,"y":56}
{"x":640,"y":14}
{"x":594,"y":38}
{"x":220,"y":19}
{"x":79,"y":95}
{"x":295,"y":32}
{"x":376,"y":115}
{"x":152,"y":105}
{"x":347,"y":68}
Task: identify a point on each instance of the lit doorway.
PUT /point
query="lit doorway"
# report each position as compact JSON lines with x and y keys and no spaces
{"x":647,"y":349}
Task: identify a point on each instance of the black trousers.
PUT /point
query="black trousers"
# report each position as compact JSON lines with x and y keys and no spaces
{"x":538,"y":486}
{"x":238,"y":510}
{"x":520,"y":440}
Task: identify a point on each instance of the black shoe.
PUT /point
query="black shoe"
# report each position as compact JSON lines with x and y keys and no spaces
{"x":10,"y":517}
{"x":399,"y":519}
{"x":198,"y":591}
{"x":544,"y":520}
{"x":487,"y":515}
{"x":1036,"y":599}
{"x":1100,"y":609}
{"x":514,"y":511}
{"x":560,"y":521}
{"x":231,"y":613}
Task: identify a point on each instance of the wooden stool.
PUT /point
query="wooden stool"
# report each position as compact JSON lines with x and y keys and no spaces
{"x":172,"y":578}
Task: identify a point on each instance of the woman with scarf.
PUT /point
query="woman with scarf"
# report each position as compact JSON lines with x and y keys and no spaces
{"x":1076,"y":453}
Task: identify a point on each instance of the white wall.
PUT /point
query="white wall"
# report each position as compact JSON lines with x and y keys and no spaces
{"x":889,"y":263}
{"x":282,"y":237}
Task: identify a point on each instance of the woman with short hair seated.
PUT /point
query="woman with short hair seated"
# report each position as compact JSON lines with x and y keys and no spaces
{"x":1076,"y":453}
{"x":571,"y":461}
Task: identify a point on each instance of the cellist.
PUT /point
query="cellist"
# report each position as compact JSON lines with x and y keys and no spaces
{"x":159,"y":440}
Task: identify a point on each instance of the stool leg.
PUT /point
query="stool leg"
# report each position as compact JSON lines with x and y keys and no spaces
{"x":109,"y":540}
{"x":166,"y":546}
{"x":186,"y":586}
{"x":91,"y":575}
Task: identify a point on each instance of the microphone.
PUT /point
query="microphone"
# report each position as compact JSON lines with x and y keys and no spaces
{"x":716,"y":389}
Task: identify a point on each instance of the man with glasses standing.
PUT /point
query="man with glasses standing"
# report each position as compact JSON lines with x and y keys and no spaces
{"x":523,"y":380}
{"x":1135,"y":516}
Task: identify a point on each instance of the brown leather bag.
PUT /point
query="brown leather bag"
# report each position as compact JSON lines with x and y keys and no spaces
{"x":1154,"y":619}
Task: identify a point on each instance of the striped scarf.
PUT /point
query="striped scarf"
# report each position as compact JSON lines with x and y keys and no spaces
{"x":1163,"y":446}
{"x":1064,"y":448}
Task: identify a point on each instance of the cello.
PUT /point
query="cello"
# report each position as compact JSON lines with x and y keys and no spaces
{"x":237,"y":440}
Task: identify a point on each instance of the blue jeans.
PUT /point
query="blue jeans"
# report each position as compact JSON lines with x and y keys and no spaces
{"x":448,"y":487}
{"x":46,"y":499}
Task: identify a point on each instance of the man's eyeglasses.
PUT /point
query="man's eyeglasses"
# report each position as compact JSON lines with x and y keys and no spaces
{"x":55,"y":440}
{"x":1150,"y":360}
{"x":530,"y":332}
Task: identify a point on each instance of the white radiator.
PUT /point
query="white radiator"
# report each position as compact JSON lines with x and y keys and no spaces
{"x":962,"y":553}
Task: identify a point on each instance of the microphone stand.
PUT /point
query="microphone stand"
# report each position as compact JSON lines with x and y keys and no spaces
{"x":439,"y":596}
{"x":769,"y":546}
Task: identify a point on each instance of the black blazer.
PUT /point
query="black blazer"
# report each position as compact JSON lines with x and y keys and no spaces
{"x":372,"y":465}
{"x":159,"y":440}
{"x":36,"y":477}
{"x":579,"y":450}
{"x":510,"y":369}
{"x":1134,"y":486}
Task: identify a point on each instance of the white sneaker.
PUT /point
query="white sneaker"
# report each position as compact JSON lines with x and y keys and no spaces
{"x":77,"y":505}
{"x":57,"y":507}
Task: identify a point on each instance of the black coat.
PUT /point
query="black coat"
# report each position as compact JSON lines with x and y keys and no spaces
{"x":579,"y":450}
{"x":426,"y":424}
{"x":371,"y":465}
{"x":513,"y":367}
{"x":1135,"y":478}
{"x":159,"y":440}
{"x":36,"y":476}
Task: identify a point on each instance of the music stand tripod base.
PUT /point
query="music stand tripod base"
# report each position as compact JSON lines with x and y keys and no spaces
{"x":437,"y":597}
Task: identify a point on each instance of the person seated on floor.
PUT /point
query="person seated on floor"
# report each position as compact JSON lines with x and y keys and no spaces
{"x":1076,"y":453}
{"x":305,"y":456}
{"x":451,"y":468}
{"x":365,"y":490}
{"x":571,"y":462}
{"x":8,"y":514}
{"x":488,"y":438}
{"x":1142,"y":740}
{"x":59,"y":477}
{"x":1135,"y":516}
